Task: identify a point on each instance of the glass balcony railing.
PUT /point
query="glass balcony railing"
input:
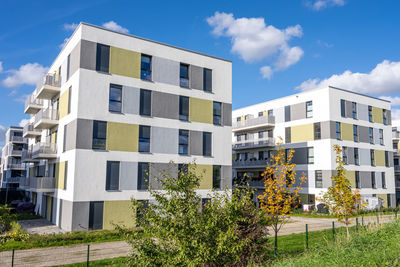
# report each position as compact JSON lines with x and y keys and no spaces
{"x":33,"y":104}
{"x":263,"y":142}
{"x":42,"y":184}
{"x":250,"y":163}
{"x":44,"y":151}
{"x":253,"y":123}
{"x":30,"y":131}
{"x":48,"y":87}
{"x":46,"y":118}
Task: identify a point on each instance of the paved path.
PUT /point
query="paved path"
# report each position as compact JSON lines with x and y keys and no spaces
{"x":40,"y":226}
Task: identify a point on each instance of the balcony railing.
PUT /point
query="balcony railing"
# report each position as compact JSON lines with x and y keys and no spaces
{"x":33,"y":104}
{"x":44,"y":151}
{"x":46,"y":118}
{"x":42,"y":184}
{"x":13,"y":180}
{"x":24,"y":182}
{"x":396,"y":134}
{"x":48,"y":87}
{"x":397,"y":168}
{"x":14,"y":166}
{"x":17,"y":139}
{"x":246,"y":144}
{"x":14,"y":152}
{"x":30,"y":131}
{"x":27,"y":155}
{"x":253,"y":123}
{"x":251,"y":163}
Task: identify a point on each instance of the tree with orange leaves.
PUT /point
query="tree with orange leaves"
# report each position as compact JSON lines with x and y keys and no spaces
{"x":281,"y":193}
{"x":340,"y":198}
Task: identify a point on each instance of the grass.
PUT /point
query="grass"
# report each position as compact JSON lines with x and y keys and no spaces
{"x":321,"y":215}
{"x":115,"y":262}
{"x":27,"y":216}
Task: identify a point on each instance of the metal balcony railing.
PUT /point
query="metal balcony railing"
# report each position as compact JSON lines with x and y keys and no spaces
{"x":42,"y":184}
{"x":15,"y":166}
{"x":397,"y":168}
{"x":32,"y":100}
{"x":24,"y":182}
{"x":264,"y":142}
{"x":13,"y":180}
{"x":43,"y":150}
{"x":254,"y":123}
{"x":13,"y":151}
{"x":46,"y":114}
{"x":19,"y":139}
{"x":29,"y":128}
{"x":395,"y":134}
{"x":50,"y":79}
{"x":250,"y":163}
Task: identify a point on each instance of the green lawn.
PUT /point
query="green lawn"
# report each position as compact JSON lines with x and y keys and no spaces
{"x":320,"y":215}
{"x":115,"y":262}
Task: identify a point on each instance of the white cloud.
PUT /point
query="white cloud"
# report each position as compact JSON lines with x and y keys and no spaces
{"x":1,"y":66}
{"x":2,"y":134}
{"x":253,"y":40}
{"x":61,"y":46}
{"x":396,"y":117}
{"x":70,"y":26}
{"x":383,"y":79}
{"x":21,"y":99}
{"x":28,"y":74}
{"x":23,"y":122}
{"x":395,"y":100}
{"x":318,"y":5}
{"x":112,"y":25}
{"x":266,"y":72}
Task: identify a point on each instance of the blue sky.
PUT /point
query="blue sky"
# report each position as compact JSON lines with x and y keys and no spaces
{"x":277,"y":47}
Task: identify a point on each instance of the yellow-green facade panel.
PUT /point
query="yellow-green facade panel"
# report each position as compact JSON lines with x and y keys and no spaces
{"x":206,"y":174}
{"x":379,"y":157}
{"x":377,"y":115}
{"x":124,"y":62}
{"x":60,"y":175}
{"x":63,"y":104}
{"x":383,"y":197}
{"x":200,"y":110}
{"x":346,"y":131}
{"x":302,"y":133}
{"x":122,"y":137}
{"x":351,"y":176}
{"x":119,"y":212}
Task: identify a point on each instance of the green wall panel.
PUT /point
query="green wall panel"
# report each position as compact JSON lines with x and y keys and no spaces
{"x":122,"y":137}
{"x":63,"y":106}
{"x":377,"y":115}
{"x":302,"y":133}
{"x":206,"y":173}
{"x":124,"y":62}
{"x":200,"y":110}
{"x":347,"y":131}
{"x":379,"y":158}
{"x":118,"y":212}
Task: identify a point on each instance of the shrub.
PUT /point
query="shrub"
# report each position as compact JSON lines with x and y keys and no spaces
{"x":6,"y":218}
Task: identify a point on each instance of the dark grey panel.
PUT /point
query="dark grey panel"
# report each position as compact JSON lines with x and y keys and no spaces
{"x":75,"y":59}
{"x":80,"y":216}
{"x":159,"y":170}
{"x":378,"y":179}
{"x":350,"y":155}
{"x":349,"y":111}
{"x":88,"y":55}
{"x":165,"y":71}
{"x":333,"y":129}
{"x":326,"y":130}
{"x":300,"y":155}
{"x":226,"y":114}
{"x":391,"y":160}
{"x":196,"y":77}
{"x":70,"y":135}
{"x":389,"y":117}
{"x":164,"y":140}
{"x":298,"y":111}
{"x":84,"y":134}
{"x":96,"y":215}
{"x":365,"y":179}
{"x":196,"y":143}
{"x":128,"y":175}
{"x":165,"y":105}
{"x":130,"y":100}
{"x":363,"y":133}
{"x":226,"y":177}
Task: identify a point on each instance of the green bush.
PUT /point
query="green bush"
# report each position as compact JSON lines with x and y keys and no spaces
{"x":6,"y":218}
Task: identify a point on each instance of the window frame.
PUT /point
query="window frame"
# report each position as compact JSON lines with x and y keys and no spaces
{"x":102,"y":66}
{"x":217,"y":180}
{"x":383,"y":177}
{"x":182,"y":115}
{"x":95,"y":136}
{"x":110,"y":100}
{"x":370,"y":116}
{"x":309,"y":112}
{"x":143,"y":140}
{"x":205,"y":80}
{"x":310,"y":156}
{"x":317,"y":130}
{"x":318,"y":182}
{"x":207,"y":147}
{"x":380,"y":131}
{"x":371,"y":135}
{"x":354,"y":110}
{"x":356,"y":156}
{"x":373,"y":180}
{"x":342,"y":108}
{"x":143,"y":98}
{"x":355,"y":133}
{"x":372,"y":157}
{"x":338,"y":131}
{"x":216,"y":116}
{"x":345,"y":153}
{"x":109,"y":179}
{"x":143,"y":183}
{"x":183,"y":133}
{"x":357,"y":180}
{"x":143,"y":69}
{"x":182,"y":79}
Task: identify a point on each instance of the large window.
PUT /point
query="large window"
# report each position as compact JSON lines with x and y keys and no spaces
{"x":310,"y":155}
{"x":384,"y":114}
{"x":358,"y":186}
{"x":184,"y":75}
{"x":216,"y":177}
{"x":354,"y":109}
{"x":371,"y":135}
{"x":270,"y":112}
{"x":318,"y":179}
{"x":373,"y":181}
{"x":370,"y":113}
{"x":144,"y":138}
{"x":356,"y":156}
{"x":99,"y":135}
{"x":115,"y":98}
{"x":217,"y":113}
{"x":372,"y":155}
{"x":143,"y":176}
{"x":68,"y":66}
{"x":207,"y":142}
{"x":387,"y":158}
{"x":183,"y":142}
{"x":309,"y":109}
{"x":145,"y":67}
{"x":338,"y":132}
{"x":344,"y":155}
{"x":112,"y":180}
{"x":102,"y":57}
{"x":383,"y":180}
{"x":342,"y":108}
{"x":317,"y":131}
{"x":355,"y":133}
{"x":184,"y":108}
{"x":287,"y":113}
{"x":381,"y":136}
{"x":145,"y":102}
{"x":207,"y":80}
{"x":288,"y":137}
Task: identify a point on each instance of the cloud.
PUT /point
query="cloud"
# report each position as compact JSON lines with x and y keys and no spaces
{"x":23,"y":122}
{"x":255,"y":41}
{"x":1,"y":66}
{"x":28,"y":74}
{"x":318,"y":5}
{"x":396,"y":117}
{"x":70,"y":26}
{"x":395,"y":100}
{"x":61,"y":46}
{"x":21,"y":99}
{"x":112,"y":25}
{"x":266,"y":72}
{"x":324,"y":44}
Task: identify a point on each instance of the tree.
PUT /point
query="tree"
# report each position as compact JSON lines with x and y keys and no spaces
{"x":281,"y":193}
{"x":340,"y":198}
{"x":176,"y":229}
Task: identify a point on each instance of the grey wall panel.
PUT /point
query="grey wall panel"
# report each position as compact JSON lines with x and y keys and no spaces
{"x":365,"y":156}
{"x":300,"y":155}
{"x":362,"y":112}
{"x":298,"y":111}
{"x":299,"y":173}
{"x":84,"y":134}
{"x":130,"y":100}
{"x":64,"y":72}
{"x":165,"y":105}
{"x":349,"y":111}
{"x":365,"y":179}
{"x":378,"y":179}
{"x":363,"y":133}
{"x":75,"y":59}
{"x":389,"y":117}
{"x":226,"y":114}
{"x":226,"y":177}
{"x":376,"y":136}
{"x":128,"y":175}
{"x":279,"y":114}
{"x":391,"y":159}
{"x":66,"y":215}
{"x":333,"y":129}
{"x":326,"y":130}
{"x":164,"y":140}
{"x":80,"y":216}
{"x":327,"y":178}
{"x":196,"y":77}
{"x":165,"y":71}
{"x":350,"y":155}
{"x":158,"y":172}
{"x":54,"y":211}
{"x":393,"y":200}
{"x":70,"y":140}
{"x":196,"y":143}
{"x":88,"y":55}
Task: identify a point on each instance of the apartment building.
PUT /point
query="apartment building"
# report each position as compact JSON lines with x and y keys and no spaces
{"x":115,"y":107}
{"x":12,"y":169}
{"x":396,"y":161}
{"x":311,"y":123}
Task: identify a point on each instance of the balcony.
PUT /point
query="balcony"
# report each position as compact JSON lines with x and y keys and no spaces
{"x":46,"y":119}
{"x":397,"y":168}
{"x":247,"y":144}
{"x":24,"y":182}
{"x":44,"y":151}
{"x":27,"y":155}
{"x":13,"y":180}
{"x":14,"y":152}
{"x":252,"y":163}
{"x":30,"y":131}
{"x":17,"y":139}
{"x":49,"y":87}
{"x":41,"y":184}
{"x":15,"y":166}
{"x":253,"y":123}
{"x":33,"y":105}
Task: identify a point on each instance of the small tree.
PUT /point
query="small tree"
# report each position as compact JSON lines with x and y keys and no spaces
{"x":176,"y":230}
{"x":341,"y":200}
{"x":281,"y":193}
{"x":6,"y":218}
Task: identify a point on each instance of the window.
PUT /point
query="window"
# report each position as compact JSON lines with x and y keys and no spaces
{"x":373,"y":182}
{"x":372,"y":155}
{"x":370,"y":113}
{"x":144,"y":138}
{"x":287,"y":135}
{"x":102,"y":58}
{"x":270,"y":112}
{"x":260,"y":155}
{"x":260,"y":114}
{"x":354,"y":110}
{"x":65,"y":175}
{"x":344,"y":155}
{"x":68,"y":66}
{"x":317,"y":131}
{"x":183,"y":142}
{"x":381,"y":136}
{"x":69,"y":99}
{"x":65,"y":138}
{"x":145,"y":67}
{"x":184,"y":75}
{"x":143,"y":176}
{"x":217,"y":113}
{"x":287,"y":113}
{"x":216,"y":177}
{"x":309,"y":109}
{"x":99,"y":135}
{"x":238,"y":119}
{"x":355,"y":133}
{"x":357,"y":179}
{"x":115,"y":98}
{"x":384,"y":116}
{"x":145,"y":102}
{"x":371,"y":135}
{"x":184,"y":108}
{"x":112,"y":179}
{"x":207,"y":144}
{"x":383,"y":180}
{"x":338,"y":133}
{"x":356,"y":156}
{"x":207,"y":80}
{"x":318,"y":179}
{"x":310,"y":155}
{"x":342,"y":108}
{"x":387,"y":158}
